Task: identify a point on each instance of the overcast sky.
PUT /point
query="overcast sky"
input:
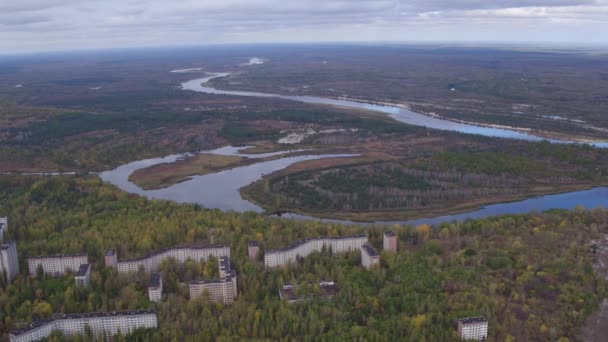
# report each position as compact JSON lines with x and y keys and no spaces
{"x":43,"y":25}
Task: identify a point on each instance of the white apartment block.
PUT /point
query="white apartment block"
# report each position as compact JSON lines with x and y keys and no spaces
{"x":303,"y":248}
{"x":108,"y":323}
{"x":473,"y":328}
{"x":56,"y":265}
{"x":3,"y":227}
{"x":155,"y":290}
{"x":83,"y":276}
{"x":222,"y":290}
{"x":369,"y":256}
{"x":9,"y":261}
{"x":152,"y":262}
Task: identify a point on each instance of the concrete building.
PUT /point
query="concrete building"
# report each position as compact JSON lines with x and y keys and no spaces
{"x":295,"y":293}
{"x":222,"y":290}
{"x":83,"y":276}
{"x":473,"y":328}
{"x":303,"y":248}
{"x":155,"y":290}
{"x":100,"y":323}
{"x":56,"y":265}
{"x":9,"y":261}
{"x":389,"y":242}
{"x":151,"y":262}
{"x":369,"y":256}
{"x":3,"y":227}
{"x":254,"y":250}
{"x":110,"y":258}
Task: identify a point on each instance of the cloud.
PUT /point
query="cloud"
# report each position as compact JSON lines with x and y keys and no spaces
{"x":67,"y":24}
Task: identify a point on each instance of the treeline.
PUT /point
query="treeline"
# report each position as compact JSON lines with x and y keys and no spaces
{"x":530,"y":275}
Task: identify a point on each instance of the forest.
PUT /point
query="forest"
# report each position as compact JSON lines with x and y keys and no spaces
{"x":530,"y":275}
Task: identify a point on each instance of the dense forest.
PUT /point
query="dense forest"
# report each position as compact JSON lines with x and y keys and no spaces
{"x":530,"y":275}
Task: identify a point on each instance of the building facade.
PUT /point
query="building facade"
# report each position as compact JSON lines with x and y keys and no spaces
{"x":222,"y":290}
{"x":9,"y":261}
{"x":155,"y":290}
{"x":110,"y":259}
{"x":56,"y":265}
{"x":303,"y":248}
{"x":83,"y":276}
{"x":473,"y":328}
{"x":295,"y":294}
{"x":3,"y":227}
{"x":253,"y":250}
{"x":389,"y":242}
{"x":99,"y":323}
{"x":151,"y":262}
{"x":369,"y":256}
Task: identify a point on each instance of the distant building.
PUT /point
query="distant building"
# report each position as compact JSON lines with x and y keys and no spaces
{"x":3,"y":227}
{"x":83,"y":276}
{"x":473,"y":328}
{"x":9,"y":261}
{"x":369,"y":256}
{"x":295,"y":293}
{"x":100,"y":323}
{"x":155,"y":290}
{"x":222,"y":290}
{"x":254,"y":250}
{"x":151,"y":262}
{"x":389,"y":242}
{"x":56,"y":265}
{"x":110,"y":258}
{"x":303,"y":248}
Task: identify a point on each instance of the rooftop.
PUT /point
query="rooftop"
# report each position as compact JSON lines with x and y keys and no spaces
{"x":304,"y":241}
{"x":40,"y":323}
{"x":160,"y":251}
{"x":110,"y":252}
{"x":155,"y":280}
{"x":370,"y":250}
{"x":83,"y":270}
{"x":58,"y":256}
{"x":472,"y":320}
{"x":252,"y":243}
{"x":7,"y":244}
{"x":290,"y":292}
{"x":389,"y":234}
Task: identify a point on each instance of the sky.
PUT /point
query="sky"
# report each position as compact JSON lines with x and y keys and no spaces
{"x":51,"y":25}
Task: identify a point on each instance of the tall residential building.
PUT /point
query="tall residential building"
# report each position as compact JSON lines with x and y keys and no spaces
{"x":9,"y":262}
{"x":473,"y":328}
{"x":369,"y":256}
{"x":3,"y":227}
{"x":389,"y":242}
{"x":222,"y":290}
{"x":254,"y":250}
{"x":155,"y":290}
{"x":151,"y":262}
{"x":110,"y":258}
{"x":303,"y":248}
{"x":83,"y":276}
{"x":56,"y":265}
{"x":100,"y":324}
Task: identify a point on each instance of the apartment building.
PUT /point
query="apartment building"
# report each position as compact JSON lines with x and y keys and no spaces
{"x":473,"y":328}
{"x":56,"y":265}
{"x":297,"y":293}
{"x":254,"y":250}
{"x":9,"y":261}
{"x":83,"y":276}
{"x":151,"y":263}
{"x":110,"y":258}
{"x":100,"y":323}
{"x":369,"y":256}
{"x":303,"y":248}
{"x":389,"y":242}
{"x":155,"y":290}
{"x":222,"y":290}
{"x":3,"y":227}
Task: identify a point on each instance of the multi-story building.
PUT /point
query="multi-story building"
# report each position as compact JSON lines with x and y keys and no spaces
{"x":83,"y":276}
{"x":151,"y":262}
{"x":3,"y":227}
{"x":9,"y":262}
{"x":303,"y":248}
{"x":155,"y":290}
{"x":389,"y":242}
{"x":110,"y":258}
{"x":254,"y":250}
{"x":221,"y":290}
{"x":99,"y":323}
{"x":295,"y":293}
{"x":473,"y":328}
{"x":369,"y":256}
{"x":56,"y":265}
